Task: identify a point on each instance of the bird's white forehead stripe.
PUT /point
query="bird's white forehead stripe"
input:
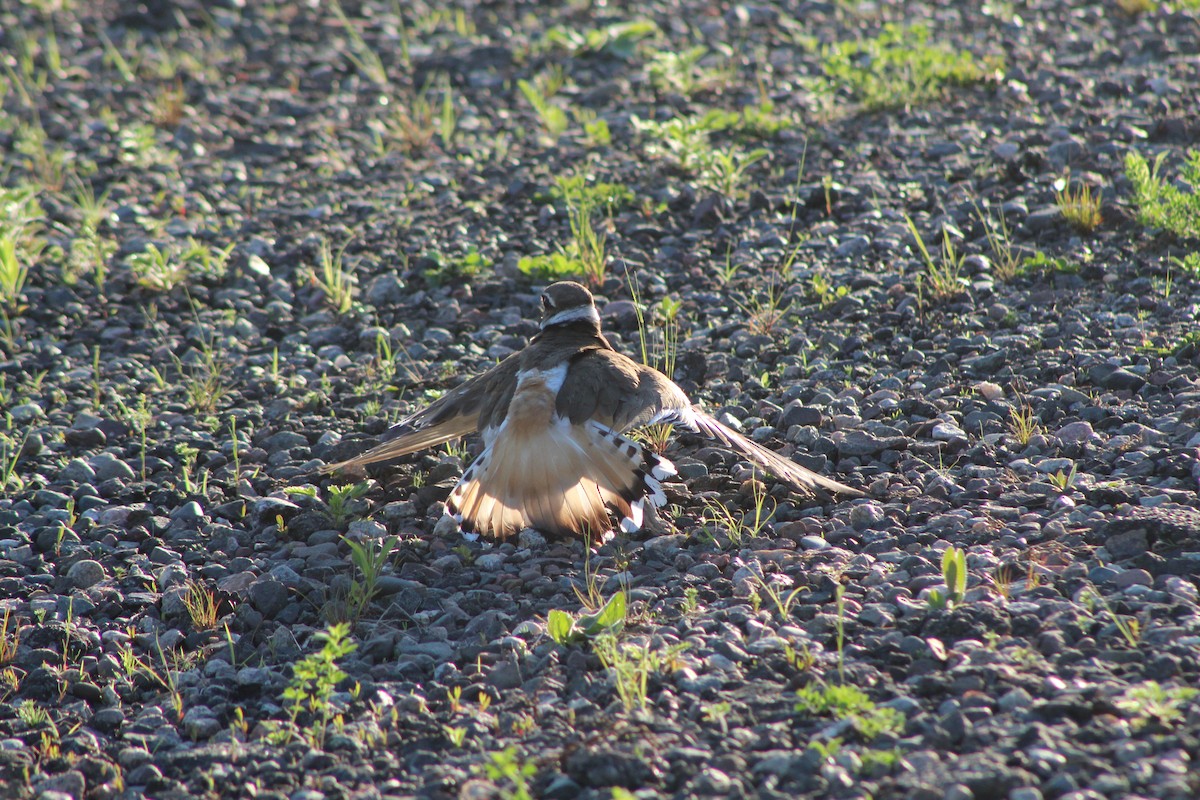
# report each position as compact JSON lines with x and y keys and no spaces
{"x":552,"y":377}
{"x":573,"y":315}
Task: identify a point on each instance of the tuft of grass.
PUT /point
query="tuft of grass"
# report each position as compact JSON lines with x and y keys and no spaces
{"x":1006,"y":260}
{"x":739,"y":526}
{"x":1079,"y":205}
{"x":943,"y":275}
{"x":1162,"y":204}
{"x":659,"y":346}
{"x":899,"y":67}
{"x":631,"y":666}
{"x":336,"y":283}
{"x":201,"y":604}
{"x":361,"y":55}
{"x":10,"y":637}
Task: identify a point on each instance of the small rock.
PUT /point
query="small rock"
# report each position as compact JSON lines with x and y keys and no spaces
{"x":86,"y":573}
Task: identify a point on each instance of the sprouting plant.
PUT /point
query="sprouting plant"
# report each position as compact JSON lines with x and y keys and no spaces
{"x":365,"y":60}
{"x":1161,"y":203}
{"x":1063,"y":481}
{"x":1079,"y":206}
{"x":659,"y":347}
{"x":1023,"y":423}
{"x":783,"y":602}
{"x":10,"y":637}
{"x":849,"y":702}
{"x":1151,"y":702}
{"x":314,"y":679}
{"x":691,"y":597}
{"x":824,"y":291}
{"x":738,"y":527}
{"x":675,"y":71}
{"x":1130,"y":628}
{"x":610,"y":618}
{"x":336,"y":283}
{"x":1006,"y":259}
{"x":631,"y":666}
{"x":954,"y":574}
{"x":342,"y":501}
{"x":619,"y":39}
{"x":766,"y":309}
{"x":369,"y":559}
{"x":202,"y":607}
{"x":538,"y":93}
{"x":516,"y":775}
{"x":943,"y":275}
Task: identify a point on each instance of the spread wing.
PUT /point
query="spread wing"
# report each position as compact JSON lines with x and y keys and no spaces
{"x":478,"y":403}
{"x":616,"y":391}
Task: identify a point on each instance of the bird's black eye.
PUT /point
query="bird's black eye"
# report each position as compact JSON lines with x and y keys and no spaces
{"x":547,"y":303}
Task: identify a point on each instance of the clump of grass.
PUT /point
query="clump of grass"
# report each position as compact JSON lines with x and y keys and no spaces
{"x":899,"y":67}
{"x":1079,"y":205}
{"x":943,"y":275}
{"x":585,"y":255}
{"x":1161,"y":204}
{"x":850,"y":703}
{"x":687,"y":141}
{"x":632,"y":665}
{"x":335,"y":282}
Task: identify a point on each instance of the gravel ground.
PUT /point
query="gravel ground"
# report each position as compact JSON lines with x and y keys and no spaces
{"x":214,"y":158}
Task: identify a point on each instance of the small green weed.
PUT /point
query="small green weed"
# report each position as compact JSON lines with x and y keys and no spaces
{"x":1151,"y":702}
{"x":736,"y":526}
{"x":619,"y":40}
{"x":1041,"y":264}
{"x":632,"y":665}
{"x":610,"y":618}
{"x":899,"y":67}
{"x":954,"y":574}
{"x":824,"y":291}
{"x":336,"y":283}
{"x":1160,"y":203}
{"x":539,"y":93}
{"x":314,"y":679}
{"x":849,"y":702}
{"x":942,"y":276}
{"x":344,"y":501}
{"x":514,"y":774}
{"x":369,"y":559}
{"x":1079,"y":205}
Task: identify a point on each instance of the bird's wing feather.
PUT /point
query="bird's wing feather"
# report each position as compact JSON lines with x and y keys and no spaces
{"x":475,"y":404}
{"x":802,"y":478}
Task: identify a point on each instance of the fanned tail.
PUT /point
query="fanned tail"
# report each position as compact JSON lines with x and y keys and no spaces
{"x":563,"y":481}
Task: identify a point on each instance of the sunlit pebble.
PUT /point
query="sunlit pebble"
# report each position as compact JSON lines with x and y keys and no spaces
{"x":989,"y":391}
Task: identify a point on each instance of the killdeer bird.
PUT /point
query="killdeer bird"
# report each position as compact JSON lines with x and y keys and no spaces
{"x":553,"y":418}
